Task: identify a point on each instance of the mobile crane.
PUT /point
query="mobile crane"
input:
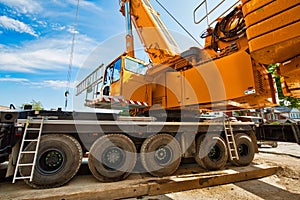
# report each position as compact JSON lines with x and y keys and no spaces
{"x":229,"y":73}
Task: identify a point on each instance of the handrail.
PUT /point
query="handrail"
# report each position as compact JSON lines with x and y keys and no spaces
{"x":206,"y":9}
{"x":208,"y":12}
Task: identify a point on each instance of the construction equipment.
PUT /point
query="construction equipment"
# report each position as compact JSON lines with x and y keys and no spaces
{"x":165,"y":98}
{"x":229,"y":73}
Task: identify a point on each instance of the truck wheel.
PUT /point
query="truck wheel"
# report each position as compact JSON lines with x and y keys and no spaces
{"x":211,"y":152}
{"x":245,"y":148}
{"x":58,"y":160}
{"x":112,"y":157}
{"x":161,"y":155}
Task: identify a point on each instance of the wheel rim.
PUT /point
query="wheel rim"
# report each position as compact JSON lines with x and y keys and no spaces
{"x":243,"y":150}
{"x":215,"y":153}
{"x":113,"y":158}
{"x":163,"y":155}
{"x":51,"y":161}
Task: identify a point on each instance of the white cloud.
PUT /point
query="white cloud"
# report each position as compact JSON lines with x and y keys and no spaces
{"x":56,"y":84}
{"x":86,"y":5}
{"x":91,"y":5}
{"x":24,"y":6}
{"x":9,"y":79}
{"x":71,"y":30}
{"x":53,"y":84}
{"x":45,"y":54}
{"x":57,"y":27}
{"x":15,"y":25}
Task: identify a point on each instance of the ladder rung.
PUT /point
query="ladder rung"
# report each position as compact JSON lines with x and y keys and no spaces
{"x":25,"y":164}
{"x":23,"y":177}
{"x":28,"y":152}
{"x":33,"y":129}
{"x":30,"y":140}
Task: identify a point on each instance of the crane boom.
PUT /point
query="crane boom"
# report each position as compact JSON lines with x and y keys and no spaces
{"x":157,"y":40}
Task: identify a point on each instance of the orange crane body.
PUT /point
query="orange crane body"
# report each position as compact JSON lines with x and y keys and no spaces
{"x":226,"y":74}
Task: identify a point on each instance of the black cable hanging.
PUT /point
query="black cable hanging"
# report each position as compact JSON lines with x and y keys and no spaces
{"x":178,"y":22}
{"x":224,"y":31}
{"x":71,"y":56}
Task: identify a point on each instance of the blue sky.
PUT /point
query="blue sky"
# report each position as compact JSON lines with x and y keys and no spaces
{"x":36,"y":36}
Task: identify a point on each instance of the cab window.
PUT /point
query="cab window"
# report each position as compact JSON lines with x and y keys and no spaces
{"x":112,"y":73}
{"x":117,"y":71}
{"x":135,"y":67}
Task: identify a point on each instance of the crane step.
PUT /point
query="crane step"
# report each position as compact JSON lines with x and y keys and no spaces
{"x":25,"y":164}
{"x":28,"y":152}
{"x":23,"y":177}
{"x":30,"y":140}
{"x":33,"y":129}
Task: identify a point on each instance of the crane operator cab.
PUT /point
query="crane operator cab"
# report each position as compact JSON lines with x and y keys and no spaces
{"x":122,"y":82}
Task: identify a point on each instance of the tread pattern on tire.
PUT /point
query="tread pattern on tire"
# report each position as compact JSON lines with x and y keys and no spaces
{"x":99,"y":171}
{"x":74,"y":160}
{"x":204,"y":144}
{"x":245,"y":140}
{"x":147,"y":155}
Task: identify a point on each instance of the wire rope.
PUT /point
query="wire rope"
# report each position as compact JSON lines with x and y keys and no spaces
{"x":170,"y":14}
{"x":71,"y":55}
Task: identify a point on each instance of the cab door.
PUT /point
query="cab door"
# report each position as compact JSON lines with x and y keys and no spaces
{"x":134,"y":85}
{"x":112,"y":79}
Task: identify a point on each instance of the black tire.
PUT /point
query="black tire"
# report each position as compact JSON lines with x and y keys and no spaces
{"x":58,"y":160}
{"x":112,"y":157}
{"x":3,"y":159}
{"x":211,"y":152}
{"x":161,"y":155}
{"x":245,"y":148}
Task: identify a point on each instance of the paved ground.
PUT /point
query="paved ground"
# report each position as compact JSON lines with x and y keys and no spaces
{"x":284,"y":148}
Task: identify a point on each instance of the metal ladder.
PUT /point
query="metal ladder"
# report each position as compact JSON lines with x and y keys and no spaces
{"x":232,"y":149}
{"x":34,"y":151}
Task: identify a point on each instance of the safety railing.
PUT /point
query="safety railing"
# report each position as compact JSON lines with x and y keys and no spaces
{"x":208,"y":11}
